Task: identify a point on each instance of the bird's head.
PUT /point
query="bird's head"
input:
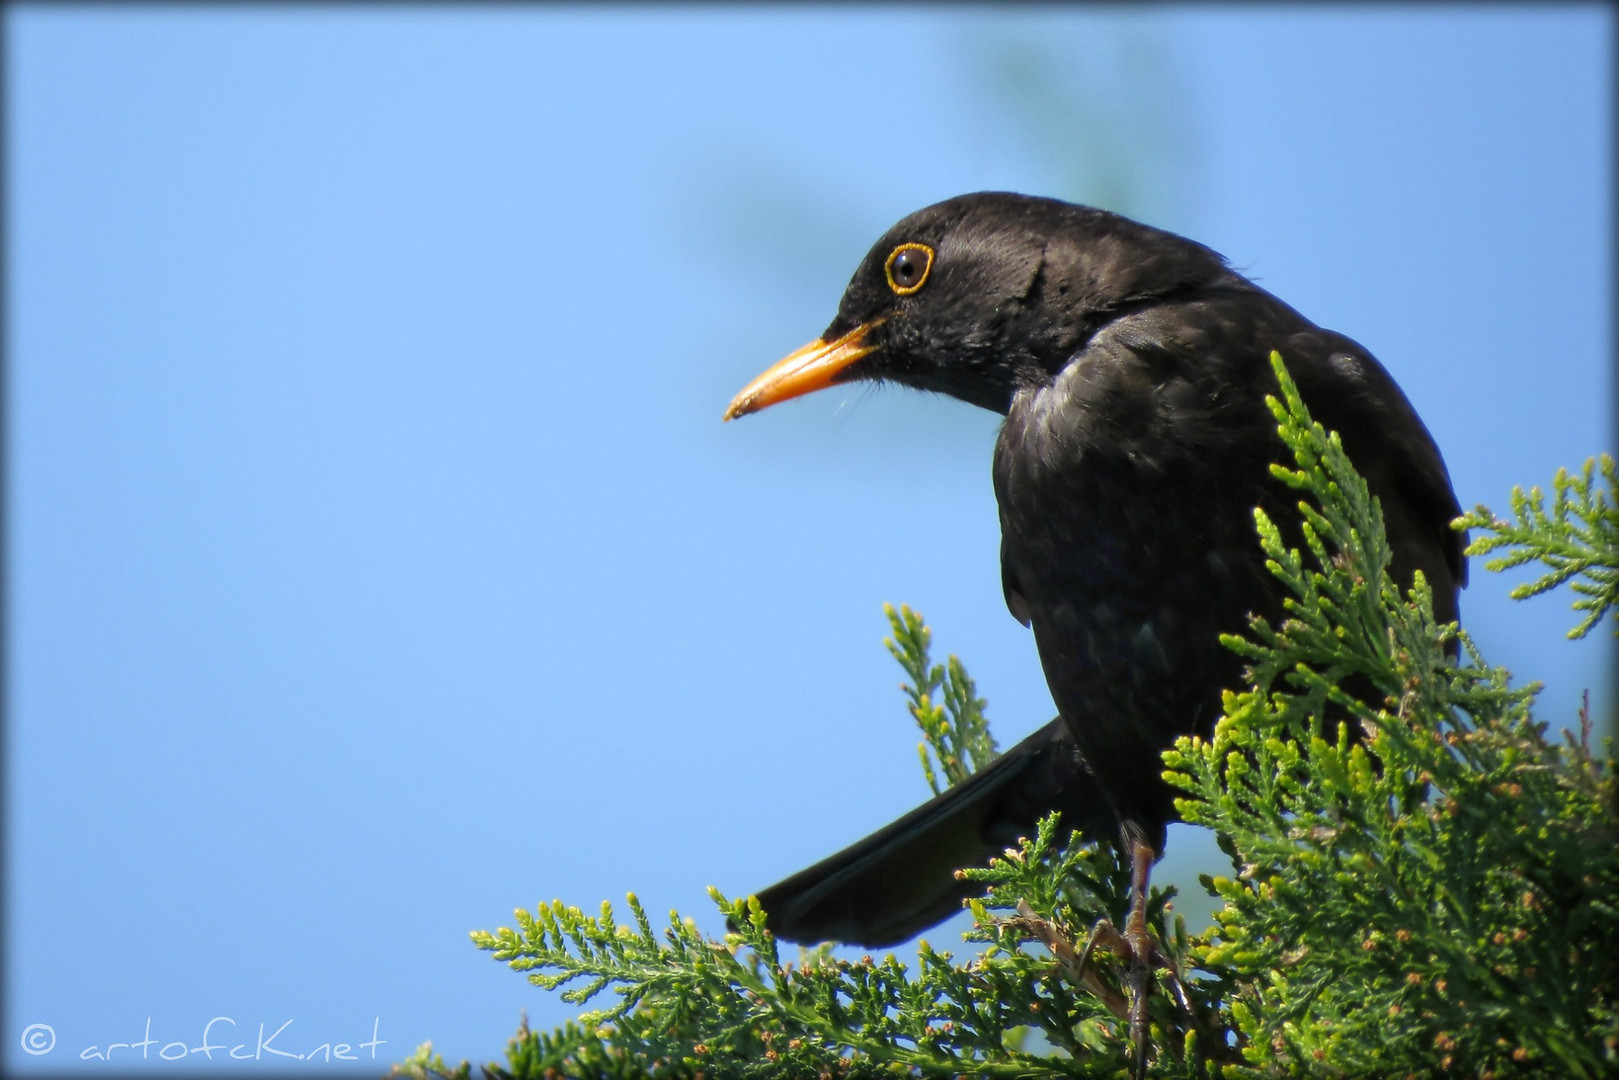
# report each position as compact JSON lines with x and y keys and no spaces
{"x":979,"y":295}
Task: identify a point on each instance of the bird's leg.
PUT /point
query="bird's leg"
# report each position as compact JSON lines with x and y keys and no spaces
{"x":1135,"y":945}
{"x":1143,"y":953}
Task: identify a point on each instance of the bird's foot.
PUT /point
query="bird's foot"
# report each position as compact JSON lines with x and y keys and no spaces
{"x":1136,"y":947}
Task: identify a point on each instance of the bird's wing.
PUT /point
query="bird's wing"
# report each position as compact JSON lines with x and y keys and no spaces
{"x":1349,"y":392}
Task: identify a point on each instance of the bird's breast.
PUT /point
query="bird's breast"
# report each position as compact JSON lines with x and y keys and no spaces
{"x":1127,"y":531}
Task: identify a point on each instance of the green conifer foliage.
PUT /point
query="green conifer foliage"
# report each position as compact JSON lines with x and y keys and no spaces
{"x":956,"y":735}
{"x":1581,"y":548}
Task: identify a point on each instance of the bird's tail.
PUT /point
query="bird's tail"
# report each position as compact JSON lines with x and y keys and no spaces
{"x":901,"y":879}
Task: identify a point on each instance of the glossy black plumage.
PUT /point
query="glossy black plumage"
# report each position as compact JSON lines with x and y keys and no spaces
{"x":1131,"y":365}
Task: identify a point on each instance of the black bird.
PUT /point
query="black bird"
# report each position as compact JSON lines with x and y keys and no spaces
{"x":1131,"y":365}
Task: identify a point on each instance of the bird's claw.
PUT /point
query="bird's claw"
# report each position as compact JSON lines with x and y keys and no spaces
{"x":1130,"y":945}
{"x":1135,"y":945}
{"x":1105,"y":936}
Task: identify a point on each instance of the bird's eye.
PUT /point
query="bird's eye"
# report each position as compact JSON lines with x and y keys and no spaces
{"x":908,"y":267}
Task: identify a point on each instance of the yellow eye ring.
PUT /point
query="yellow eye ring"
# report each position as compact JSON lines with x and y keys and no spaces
{"x":907,"y":268}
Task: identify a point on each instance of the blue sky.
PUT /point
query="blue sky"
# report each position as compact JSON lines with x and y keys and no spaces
{"x":378,"y":562}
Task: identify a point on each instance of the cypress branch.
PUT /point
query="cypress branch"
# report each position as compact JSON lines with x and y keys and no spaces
{"x":956,"y":735}
{"x":1586,"y":547}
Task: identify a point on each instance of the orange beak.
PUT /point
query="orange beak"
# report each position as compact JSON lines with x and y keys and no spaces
{"x":814,"y":367}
